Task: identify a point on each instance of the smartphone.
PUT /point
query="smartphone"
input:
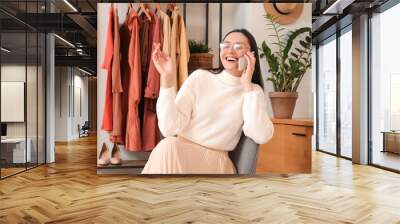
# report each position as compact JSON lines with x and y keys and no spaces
{"x":242,"y":63}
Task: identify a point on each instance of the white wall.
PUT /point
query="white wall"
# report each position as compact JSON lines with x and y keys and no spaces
{"x":80,"y":83}
{"x":61,"y":103}
{"x":50,"y":94}
{"x":195,"y":14}
{"x":16,"y":72}
{"x":251,"y":17}
{"x":33,"y":126}
{"x":67,"y":80}
{"x":11,"y":73}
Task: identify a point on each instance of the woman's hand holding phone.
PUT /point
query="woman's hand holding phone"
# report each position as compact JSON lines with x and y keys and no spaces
{"x":248,"y":71}
{"x":242,"y":63}
{"x":164,"y":65}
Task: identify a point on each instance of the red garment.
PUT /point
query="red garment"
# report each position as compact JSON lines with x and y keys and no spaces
{"x":107,"y":124}
{"x":145,"y":48}
{"x":116,"y":134}
{"x":150,"y":132}
{"x":125,"y":37}
{"x":133,"y":136}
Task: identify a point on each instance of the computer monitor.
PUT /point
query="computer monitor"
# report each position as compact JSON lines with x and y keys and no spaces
{"x":3,"y":129}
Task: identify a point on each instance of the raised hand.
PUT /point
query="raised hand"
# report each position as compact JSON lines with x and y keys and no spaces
{"x":164,"y":65}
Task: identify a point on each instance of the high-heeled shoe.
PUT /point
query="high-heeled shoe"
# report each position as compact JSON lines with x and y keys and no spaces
{"x":115,"y":155}
{"x":104,"y":156}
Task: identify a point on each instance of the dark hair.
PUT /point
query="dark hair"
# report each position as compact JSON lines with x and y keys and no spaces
{"x":257,"y":77}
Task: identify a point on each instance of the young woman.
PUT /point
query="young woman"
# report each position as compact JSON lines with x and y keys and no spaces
{"x":210,"y":111}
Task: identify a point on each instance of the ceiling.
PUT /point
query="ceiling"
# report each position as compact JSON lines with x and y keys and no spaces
{"x":72,"y":20}
{"x":330,"y":15}
{"x":76,"y":22}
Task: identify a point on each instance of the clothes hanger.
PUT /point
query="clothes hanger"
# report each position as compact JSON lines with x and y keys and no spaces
{"x":129,"y":8}
{"x":158,"y":7}
{"x":115,"y":8}
{"x":144,"y":8}
{"x":171,"y":6}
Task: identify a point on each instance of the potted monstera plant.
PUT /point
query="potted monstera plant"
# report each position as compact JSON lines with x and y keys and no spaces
{"x":287,"y":65}
{"x":200,"y":56}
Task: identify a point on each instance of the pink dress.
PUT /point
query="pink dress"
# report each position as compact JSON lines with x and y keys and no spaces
{"x":150,"y":132}
{"x":133,"y":137}
{"x":107,"y":121}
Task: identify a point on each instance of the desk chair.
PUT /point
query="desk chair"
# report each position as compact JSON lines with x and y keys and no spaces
{"x":84,"y":130}
{"x":245,"y":155}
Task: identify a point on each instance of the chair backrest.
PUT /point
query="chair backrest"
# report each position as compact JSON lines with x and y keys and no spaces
{"x":245,"y":155}
{"x":86,"y":125}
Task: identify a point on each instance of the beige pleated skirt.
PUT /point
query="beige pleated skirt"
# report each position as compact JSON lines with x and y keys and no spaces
{"x":177,"y":155}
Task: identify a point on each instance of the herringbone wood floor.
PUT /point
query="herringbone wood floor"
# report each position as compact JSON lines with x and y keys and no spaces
{"x":69,"y":191}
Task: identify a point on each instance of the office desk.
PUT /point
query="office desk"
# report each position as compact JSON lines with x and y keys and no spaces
{"x":15,"y":148}
{"x":391,"y":141}
{"x":289,"y":150}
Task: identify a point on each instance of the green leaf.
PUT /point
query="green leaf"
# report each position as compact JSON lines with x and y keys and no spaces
{"x":303,"y":44}
{"x":291,"y":37}
{"x":286,"y":72}
{"x":198,"y":47}
{"x":272,"y":35}
{"x":299,"y":50}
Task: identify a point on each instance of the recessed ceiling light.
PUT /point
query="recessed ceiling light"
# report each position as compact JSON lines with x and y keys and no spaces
{"x":331,"y":7}
{"x":5,"y":50}
{"x":64,"y":40}
{"x":84,"y":71}
{"x":337,"y":6}
{"x":70,"y":5}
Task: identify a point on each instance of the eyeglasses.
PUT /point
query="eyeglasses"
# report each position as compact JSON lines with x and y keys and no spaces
{"x":235,"y":46}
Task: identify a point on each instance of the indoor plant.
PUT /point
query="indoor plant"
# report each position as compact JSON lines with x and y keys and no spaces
{"x":286,"y":66}
{"x":200,"y":56}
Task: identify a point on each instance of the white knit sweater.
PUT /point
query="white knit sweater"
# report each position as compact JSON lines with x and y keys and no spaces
{"x":213,"y":110}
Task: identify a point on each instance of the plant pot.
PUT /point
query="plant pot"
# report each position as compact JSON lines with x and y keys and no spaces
{"x":200,"y":60}
{"x":283,"y":103}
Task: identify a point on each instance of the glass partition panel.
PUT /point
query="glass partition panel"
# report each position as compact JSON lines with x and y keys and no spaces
{"x":327,"y":96}
{"x":14,"y":153}
{"x":32,"y":98}
{"x":385,"y":89}
{"x":346,"y":94}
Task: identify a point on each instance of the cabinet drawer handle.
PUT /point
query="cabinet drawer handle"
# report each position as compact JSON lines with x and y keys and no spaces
{"x":299,"y":134}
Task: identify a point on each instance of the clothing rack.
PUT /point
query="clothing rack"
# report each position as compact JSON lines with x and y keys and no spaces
{"x":134,"y":166}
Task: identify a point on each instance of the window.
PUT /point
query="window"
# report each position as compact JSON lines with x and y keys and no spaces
{"x":327,"y":96}
{"x":346,"y":75}
{"x":333,"y":137}
{"x":22,"y":75}
{"x":385,"y":89}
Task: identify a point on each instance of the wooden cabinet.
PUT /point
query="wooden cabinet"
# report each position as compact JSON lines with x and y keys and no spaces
{"x":289,"y":150}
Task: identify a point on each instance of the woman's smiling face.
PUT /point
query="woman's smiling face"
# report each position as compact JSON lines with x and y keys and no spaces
{"x":235,"y":45}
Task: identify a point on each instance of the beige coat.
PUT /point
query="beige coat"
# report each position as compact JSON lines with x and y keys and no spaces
{"x":179,"y":47}
{"x":166,"y":28}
